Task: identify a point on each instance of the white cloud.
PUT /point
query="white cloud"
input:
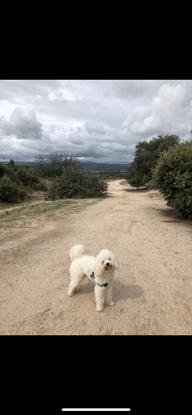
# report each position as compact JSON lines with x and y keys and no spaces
{"x":96,"y":119}
{"x":166,"y":114}
{"x":170,"y":98}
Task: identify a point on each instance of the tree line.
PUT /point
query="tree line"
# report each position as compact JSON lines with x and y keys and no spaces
{"x":165,"y":163}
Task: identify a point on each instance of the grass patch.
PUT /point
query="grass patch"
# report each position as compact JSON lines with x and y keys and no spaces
{"x":8,"y":216}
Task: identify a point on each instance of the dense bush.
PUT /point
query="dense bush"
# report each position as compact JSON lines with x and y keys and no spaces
{"x":146,"y":157}
{"x":75,"y":182}
{"x":6,"y":169}
{"x":10,"y":191}
{"x":20,"y":180}
{"x":29,"y":179}
{"x":173,"y":177}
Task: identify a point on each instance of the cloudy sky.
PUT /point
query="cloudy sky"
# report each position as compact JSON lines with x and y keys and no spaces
{"x":95,"y":120}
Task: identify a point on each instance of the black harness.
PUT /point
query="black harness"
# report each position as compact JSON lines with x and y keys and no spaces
{"x":100,"y":284}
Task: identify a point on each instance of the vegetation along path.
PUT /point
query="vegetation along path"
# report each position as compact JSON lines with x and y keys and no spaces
{"x":153,"y":286}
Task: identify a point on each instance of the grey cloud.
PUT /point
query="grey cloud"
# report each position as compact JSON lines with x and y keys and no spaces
{"x":23,"y":125}
{"x":95,"y":127}
{"x":23,"y":90}
{"x":130,"y":88}
{"x":77,"y":141}
{"x":100,"y":120}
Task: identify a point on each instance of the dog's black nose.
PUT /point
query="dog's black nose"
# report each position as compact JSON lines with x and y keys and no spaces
{"x":107,"y":263}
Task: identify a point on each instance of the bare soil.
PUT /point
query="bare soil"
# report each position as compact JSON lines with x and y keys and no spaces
{"x":152,"y":288}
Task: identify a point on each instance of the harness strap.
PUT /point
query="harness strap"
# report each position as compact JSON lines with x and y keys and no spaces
{"x":100,"y":284}
{"x":92,"y":275}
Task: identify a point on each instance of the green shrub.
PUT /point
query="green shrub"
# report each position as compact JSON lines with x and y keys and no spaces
{"x":40,"y":186}
{"x":146,"y":157}
{"x":29,"y":179}
{"x":76,"y":183}
{"x":6,"y":169}
{"x":17,"y":181}
{"x":173,"y":177}
{"x":10,"y":191}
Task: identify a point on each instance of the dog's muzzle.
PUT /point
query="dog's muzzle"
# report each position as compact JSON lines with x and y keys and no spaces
{"x":108,"y":265}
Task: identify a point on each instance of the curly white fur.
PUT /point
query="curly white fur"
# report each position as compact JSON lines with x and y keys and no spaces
{"x":103,"y":266}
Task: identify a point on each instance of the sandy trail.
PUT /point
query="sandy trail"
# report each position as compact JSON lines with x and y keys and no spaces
{"x":152,"y":289}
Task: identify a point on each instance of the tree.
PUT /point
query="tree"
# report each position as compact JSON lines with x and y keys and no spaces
{"x":146,"y":158}
{"x":173,"y":177}
{"x":12,"y":163}
{"x":55,"y":164}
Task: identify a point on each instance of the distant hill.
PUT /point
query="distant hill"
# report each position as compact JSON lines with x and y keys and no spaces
{"x":104,"y":166}
{"x":87,"y":165}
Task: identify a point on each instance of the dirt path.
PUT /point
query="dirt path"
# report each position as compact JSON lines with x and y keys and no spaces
{"x":153,"y":287}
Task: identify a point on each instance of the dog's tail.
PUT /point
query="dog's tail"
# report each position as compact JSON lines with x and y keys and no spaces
{"x":76,"y":251}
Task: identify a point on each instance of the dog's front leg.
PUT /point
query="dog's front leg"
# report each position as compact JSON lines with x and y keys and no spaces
{"x":109,"y":293}
{"x":99,"y":297}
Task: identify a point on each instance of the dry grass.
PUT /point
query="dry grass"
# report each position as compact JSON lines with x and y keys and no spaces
{"x":9,"y":216}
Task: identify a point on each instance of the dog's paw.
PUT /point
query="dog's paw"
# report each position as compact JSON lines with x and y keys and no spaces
{"x":99,"y":308}
{"x":70,"y":293}
{"x":111,"y":303}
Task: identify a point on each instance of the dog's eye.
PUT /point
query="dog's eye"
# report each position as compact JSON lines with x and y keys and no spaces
{"x":102,"y":262}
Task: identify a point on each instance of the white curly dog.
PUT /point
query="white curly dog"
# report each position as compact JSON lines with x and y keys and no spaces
{"x":100,"y":269}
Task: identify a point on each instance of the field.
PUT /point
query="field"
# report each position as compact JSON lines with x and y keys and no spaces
{"x":152,"y":288}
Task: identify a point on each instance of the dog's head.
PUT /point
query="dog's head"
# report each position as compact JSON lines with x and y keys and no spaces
{"x":106,"y":261}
